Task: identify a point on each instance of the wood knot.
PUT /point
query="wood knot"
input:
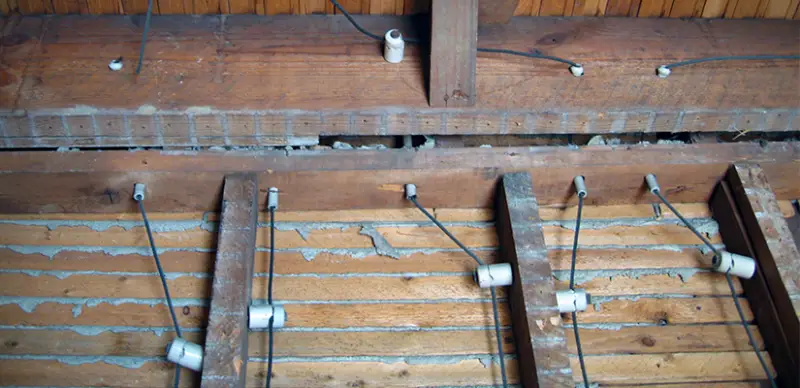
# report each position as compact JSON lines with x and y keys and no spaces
{"x":648,"y":341}
{"x":552,"y":39}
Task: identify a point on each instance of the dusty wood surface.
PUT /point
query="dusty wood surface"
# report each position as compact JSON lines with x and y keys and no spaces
{"x":453,"y":59}
{"x":540,"y":339}
{"x":91,"y":183}
{"x":225,"y":352}
{"x":195,"y":90}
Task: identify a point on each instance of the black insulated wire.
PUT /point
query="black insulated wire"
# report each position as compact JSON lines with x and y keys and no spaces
{"x":533,"y":55}
{"x":732,"y":58}
{"x":164,"y":284}
{"x":495,"y":312}
{"x":572,"y":288}
{"x":144,"y":35}
{"x":269,"y":294}
{"x":730,"y":285}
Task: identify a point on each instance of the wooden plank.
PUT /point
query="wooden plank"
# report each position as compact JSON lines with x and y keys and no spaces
{"x":655,"y":8}
{"x":626,"y":310}
{"x":746,"y":9}
{"x":103,"y":7}
{"x":737,"y":240}
{"x":625,"y":340}
{"x":777,"y":9}
{"x":772,"y":245}
{"x":416,"y":237}
{"x":622,"y":8}
{"x":664,"y":311}
{"x":590,"y":8}
{"x":553,"y":8}
{"x":225,"y":351}
{"x":174,"y":7}
{"x":464,"y":179}
{"x":714,"y":8}
{"x":494,"y":12}
{"x":287,"y":344}
{"x":687,"y":8}
{"x":136,"y":7}
{"x":62,"y":7}
{"x":205,"y":7}
{"x":455,"y":286}
{"x":677,"y":367}
{"x":454,"y":40}
{"x":338,"y":263}
{"x":614,"y":369}
{"x":534,"y":312}
{"x":35,"y":7}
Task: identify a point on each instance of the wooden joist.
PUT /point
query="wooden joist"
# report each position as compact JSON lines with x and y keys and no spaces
{"x":454,"y":41}
{"x":95,"y":183}
{"x":225,"y":354}
{"x":752,"y":224}
{"x":540,"y":339}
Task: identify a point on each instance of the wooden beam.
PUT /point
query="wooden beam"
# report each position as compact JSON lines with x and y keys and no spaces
{"x":737,"y":239}
{"x":769,"y":240}
{"x":95,"y":182}
{"x":539,"y":337}
{"x":453,"y":60}
{"x":225,"y":359}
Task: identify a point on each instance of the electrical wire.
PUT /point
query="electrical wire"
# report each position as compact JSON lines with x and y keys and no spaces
{"x":534,"y":55}
{"x":572,"y":288}
{"x":269,"y":293}
{"x":731,"y":58}
{"x":164,"y":284}
{"x":144,"y":35}
{"x":730,"y":284}
{"x":500,"y":354}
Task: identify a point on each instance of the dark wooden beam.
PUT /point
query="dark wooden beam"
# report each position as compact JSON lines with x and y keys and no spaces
{"x":539,"y":337}
{"x":769,"y":240}
{"x":737,"y":240}
{"x":453,"y":60}
{"x":93,"y":182}
{"x":225,"y":359}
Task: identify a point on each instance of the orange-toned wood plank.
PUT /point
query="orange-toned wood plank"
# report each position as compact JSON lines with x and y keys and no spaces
{"x":242,"y":6}
{"x":687,"y":8}
{"x":730,"y":8}
{"x":622,"y":8}
{"x":714,"y":8}
{"x":62,"y":7}
{"x":308,"y":7}
{"x":137,"y":7}
{"x":35,"y":7}
{"x":386,"y":7}
{"x":590,"y":7}
{"x":206,"y":7}
{"x":526,"y":8}
{"x":174,"y":7}
{"x":655,"y":8}
{"x":746,"y":9}
{"x":553,"y":8}
{"x":140,"y":315}
{"x":103,"y":7}
{"x":777,"y":9}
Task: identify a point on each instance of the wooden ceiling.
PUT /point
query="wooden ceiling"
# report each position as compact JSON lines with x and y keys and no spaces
{"x":767,"y":9}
